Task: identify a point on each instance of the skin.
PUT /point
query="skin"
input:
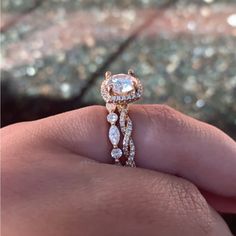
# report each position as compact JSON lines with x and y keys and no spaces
{"x":57,"y":178}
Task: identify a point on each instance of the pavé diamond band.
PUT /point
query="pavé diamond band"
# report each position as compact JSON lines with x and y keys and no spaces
{"x":118,"y":91}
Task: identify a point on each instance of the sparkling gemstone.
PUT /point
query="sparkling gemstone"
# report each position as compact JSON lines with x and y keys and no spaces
{"x":122,"y":84}
{"x":111,"y":107}
{"x":114,"y":135}
{"x":116,"y":153}
{"x":112,"y":117}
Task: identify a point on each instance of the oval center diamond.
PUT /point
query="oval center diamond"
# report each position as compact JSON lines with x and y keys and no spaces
{"x":122,"y":84}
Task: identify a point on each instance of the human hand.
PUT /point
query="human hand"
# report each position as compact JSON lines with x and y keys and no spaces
{"x":57,"y":180}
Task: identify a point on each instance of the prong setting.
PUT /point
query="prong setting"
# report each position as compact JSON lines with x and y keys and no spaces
{"x":131,"y":72}
{"x":108,"y":74}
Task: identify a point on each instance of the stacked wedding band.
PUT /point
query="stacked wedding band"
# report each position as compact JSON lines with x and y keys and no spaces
{"x":118,"y":91}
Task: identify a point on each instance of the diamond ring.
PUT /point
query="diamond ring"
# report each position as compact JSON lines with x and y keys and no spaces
{"x":118,"y":91}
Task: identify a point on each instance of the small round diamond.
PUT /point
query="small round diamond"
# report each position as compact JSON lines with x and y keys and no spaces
{"x":116,"y":153}
{"x":112,"y":117}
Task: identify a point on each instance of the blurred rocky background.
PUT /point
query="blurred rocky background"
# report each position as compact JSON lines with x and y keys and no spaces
{"x":54,"y":54}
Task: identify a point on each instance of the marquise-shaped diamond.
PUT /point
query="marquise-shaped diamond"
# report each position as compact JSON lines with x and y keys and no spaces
{"x":114,"y":135}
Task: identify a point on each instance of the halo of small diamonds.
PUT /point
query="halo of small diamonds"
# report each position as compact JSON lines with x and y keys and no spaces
{"x":121,"y":88}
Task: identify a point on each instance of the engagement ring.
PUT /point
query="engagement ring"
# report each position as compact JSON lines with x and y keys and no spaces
{"x":118,"y":91}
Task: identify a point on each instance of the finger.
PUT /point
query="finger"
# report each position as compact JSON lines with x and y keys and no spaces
{"x":54,"y":197}
{"x":165,"y":140}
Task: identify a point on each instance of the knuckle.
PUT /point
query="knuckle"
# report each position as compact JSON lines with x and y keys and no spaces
{"x":166,"y":112}
{"x":165,"y":118}
{"x":129,"y":199}
{"x":189,"y":195}
{"x":192,"y":206}
{"x":166,"y":109}
{"x":157,"y":200}
{"x":171,"y":119}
